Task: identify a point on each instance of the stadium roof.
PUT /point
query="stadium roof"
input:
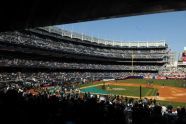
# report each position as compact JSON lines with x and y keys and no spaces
{"x":37,"y":13}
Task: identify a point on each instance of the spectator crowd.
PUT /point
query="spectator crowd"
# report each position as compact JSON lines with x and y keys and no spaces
{"x":15,"y":62}
{"x":67,"y":76}
{"x":60,"y":45}
{"x":74,"y":107}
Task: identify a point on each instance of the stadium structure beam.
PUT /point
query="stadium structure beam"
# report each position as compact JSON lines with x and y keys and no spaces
{"x":37,"y":13}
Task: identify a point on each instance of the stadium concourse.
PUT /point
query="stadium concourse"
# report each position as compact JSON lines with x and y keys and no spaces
{"x":46,"y":65}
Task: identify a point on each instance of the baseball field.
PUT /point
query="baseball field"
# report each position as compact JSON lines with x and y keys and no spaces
{"x":170,"y":91}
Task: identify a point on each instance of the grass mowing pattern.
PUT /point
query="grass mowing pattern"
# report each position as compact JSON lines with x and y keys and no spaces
{"x":173,"y":83}
{"x":154,"y":91}
{"x":131,"y":91}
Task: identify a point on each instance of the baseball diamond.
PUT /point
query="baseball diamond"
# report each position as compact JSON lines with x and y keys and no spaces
{"x":167,"y":92}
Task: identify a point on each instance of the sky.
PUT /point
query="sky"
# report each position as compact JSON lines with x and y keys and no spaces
{"x":169,"y":26}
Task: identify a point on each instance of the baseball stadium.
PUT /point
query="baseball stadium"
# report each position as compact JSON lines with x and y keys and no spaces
{"x":56,"y":62}
{"x":54,"y":75}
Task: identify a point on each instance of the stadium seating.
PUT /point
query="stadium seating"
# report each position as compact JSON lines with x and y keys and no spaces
{"x":76,"y":108}
{"x":152,"y":55}
{"x":60,"y":59}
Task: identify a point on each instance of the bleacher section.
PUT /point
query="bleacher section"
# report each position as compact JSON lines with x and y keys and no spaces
{"x":49,"y":49}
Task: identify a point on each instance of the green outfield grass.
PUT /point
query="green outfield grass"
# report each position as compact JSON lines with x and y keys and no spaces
{"x":130,"y":91}
{"x":90,"y":84}
{"x":173,"y":83}
{"x":134,"y":91}
{"x":174,"y":104}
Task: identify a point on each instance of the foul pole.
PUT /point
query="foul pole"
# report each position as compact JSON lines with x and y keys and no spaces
{"x":140,"y":91}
